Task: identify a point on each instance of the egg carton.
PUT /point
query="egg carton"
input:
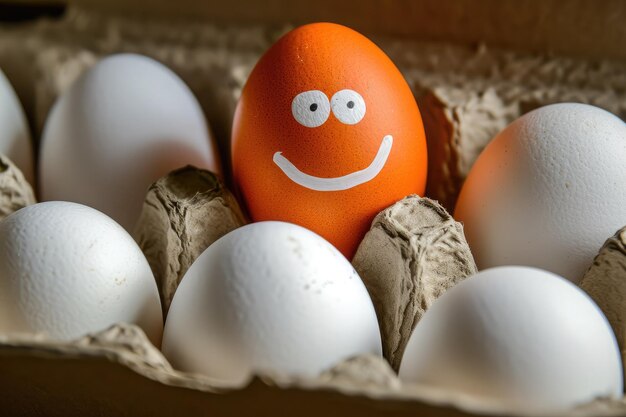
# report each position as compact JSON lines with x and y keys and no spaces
{"x":117,"y":372}
{"x":466,"y":95}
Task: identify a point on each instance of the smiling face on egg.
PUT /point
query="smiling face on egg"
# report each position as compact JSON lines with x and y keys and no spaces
{"x":326,"y":134}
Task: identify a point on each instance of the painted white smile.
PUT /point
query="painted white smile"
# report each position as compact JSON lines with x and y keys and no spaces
{"x":336,"y":183}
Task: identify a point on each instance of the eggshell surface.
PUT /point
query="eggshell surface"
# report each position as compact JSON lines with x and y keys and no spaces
{"x":269,"y":296}
{"x":67,"y":269}
{"x":326,"y":134}
{"x":15,"y":140}
{"x":519,"y":337}
{"x":548,"y":190}
{"x":122,"y":125}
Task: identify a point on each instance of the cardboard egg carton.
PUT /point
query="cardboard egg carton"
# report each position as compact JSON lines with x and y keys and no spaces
{"x":466,"y":93}
{"x":117,"y":372}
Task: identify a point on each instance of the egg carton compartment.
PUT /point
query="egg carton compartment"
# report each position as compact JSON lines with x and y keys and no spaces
{"x":466,"y":95}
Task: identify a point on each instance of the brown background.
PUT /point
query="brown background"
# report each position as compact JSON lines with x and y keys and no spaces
{"x":575,"y":27}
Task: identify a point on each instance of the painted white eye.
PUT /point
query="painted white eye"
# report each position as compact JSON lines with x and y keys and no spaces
{"x":311,"y":108}
{"x":348,"y":106}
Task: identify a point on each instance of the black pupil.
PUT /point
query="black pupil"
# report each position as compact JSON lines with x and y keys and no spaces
{"x":350,"y":104}
{"x":313,"y":107}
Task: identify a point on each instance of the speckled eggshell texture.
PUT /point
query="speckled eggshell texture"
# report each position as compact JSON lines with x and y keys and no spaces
{"x":15,"y":141}
{"x":67,"y":269}
{"x":517,"y":336}
{"x":548,"y":190}
{"x":122,"y":125}
{"x":269,"y":296}
{"x":327,"y":134}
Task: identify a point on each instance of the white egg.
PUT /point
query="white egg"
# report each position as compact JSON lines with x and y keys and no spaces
{"x":517,"y":336}
{"x":269,"y":296}
{"x":122,"y":125}
{"x":15,"y":141}
{"x":548,"y":190}
{"x":67,"y":269}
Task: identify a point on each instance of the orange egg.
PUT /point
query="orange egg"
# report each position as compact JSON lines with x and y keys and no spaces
{"x":326,"y":134}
